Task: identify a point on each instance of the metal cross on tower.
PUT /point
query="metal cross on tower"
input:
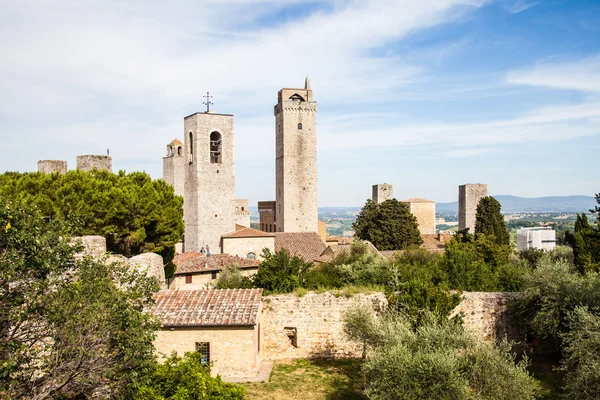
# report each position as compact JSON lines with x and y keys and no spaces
{"x":208,"y":103}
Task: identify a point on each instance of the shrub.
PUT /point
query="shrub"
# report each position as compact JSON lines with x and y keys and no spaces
{"x":231,"y":278}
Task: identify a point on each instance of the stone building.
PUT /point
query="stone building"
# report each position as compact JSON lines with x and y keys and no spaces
{"x":174,"y":167}
{"x":91,"y":162}
{"x":208,"y":205}
{"x":424,"y":211}
{"x":296,"y":160}
{"x":197,"y":271}
{"x":224,"y":326}
{"x":248,"y":243}
{"x":241,"y":213}
{"x":268,"y":220}
{"x":382,"y":192}
{"x":468,"y":199}
{"x":50,"y":166}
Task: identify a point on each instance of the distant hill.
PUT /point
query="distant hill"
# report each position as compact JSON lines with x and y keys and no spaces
{"x":514,"y":204}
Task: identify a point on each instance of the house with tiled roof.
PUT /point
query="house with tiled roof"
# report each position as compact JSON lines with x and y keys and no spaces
{"x":223,"y":325}
{"x":306,"y":245}
{"x":247,"y":243}
{"x":194,"y":270}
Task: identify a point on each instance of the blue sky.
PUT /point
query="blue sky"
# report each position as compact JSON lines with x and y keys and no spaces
{"x":426,"y":95}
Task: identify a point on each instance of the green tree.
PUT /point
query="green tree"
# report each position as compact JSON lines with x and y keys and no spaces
{"x":232,"y":278}
{"x":133,"y":212}
{"x":585,"y":241}
{"x":70,"y":327}
{"x":280,"y":272}
{"x":489,"y":220}
{"x":388,"y":225}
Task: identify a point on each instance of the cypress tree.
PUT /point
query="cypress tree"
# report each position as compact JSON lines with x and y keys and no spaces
{"x":489,"y":220}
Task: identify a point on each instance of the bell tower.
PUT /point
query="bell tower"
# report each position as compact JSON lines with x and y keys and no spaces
{"x":296,"y":160}
{"x":174,"y":167}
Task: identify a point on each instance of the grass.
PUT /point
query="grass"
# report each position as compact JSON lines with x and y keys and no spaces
{"x":348,"y":291}
{"x":310,"y":380}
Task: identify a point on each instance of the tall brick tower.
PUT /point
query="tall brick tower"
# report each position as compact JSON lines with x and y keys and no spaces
{"x":468,"y":198}
{"x":296,"y":160}
{"x":174,"y":166}
{"x":209,"y":180}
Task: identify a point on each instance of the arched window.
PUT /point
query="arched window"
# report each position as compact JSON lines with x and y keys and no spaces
{"x":300,"y":125}
{"x":191,"y":144}
{"x":251,"y":256}
{"x":215,"y":148}
{"x":179,"y":150}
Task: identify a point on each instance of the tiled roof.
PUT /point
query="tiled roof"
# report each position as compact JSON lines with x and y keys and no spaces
{"x":211,"y":307}
{"x":418,"y":200}
{"x":191,"y":262}
{"x":176,"y":141}
{"x":433,"y":242}
{"x":306,"y":245}
{"x":247,"y":232}
{"x":332,"y":251}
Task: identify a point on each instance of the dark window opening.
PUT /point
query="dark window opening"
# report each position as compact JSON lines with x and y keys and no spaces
{"x":204,"y":349}
{"x":215,"y":148}
{"x":179,"y":150}
{"x":296,"y":97}
{"x":191,"y":144}
{"x":213,"y":275}
{"x":251,"y":256}
{"x":300,"y":125}
{"x":292,"y":335}
{"x":188,"y":278}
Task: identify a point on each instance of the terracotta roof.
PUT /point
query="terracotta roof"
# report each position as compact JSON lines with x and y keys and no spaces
{"x":332,"y":251}
{"x":247,"y":232}
{"x":239,"y":227}
{"x":176,"y":141}
{"x":433,"y":242}
{"x":418,"y":200}
{"x":211,"y":307}
{"x":306,"y":245}
{"x":191,"y":262}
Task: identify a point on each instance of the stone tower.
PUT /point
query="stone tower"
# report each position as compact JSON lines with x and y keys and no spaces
{"x":174,"y":167}
{"x":296,"y":160}
{"x":382,"y":192}
{"x":468,"y":199}
{"x":209,"y":180}
{"x":91,"y":162}
{"x":51,"y":166}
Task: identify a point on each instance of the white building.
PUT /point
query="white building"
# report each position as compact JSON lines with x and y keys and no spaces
{"x":543,"y":237}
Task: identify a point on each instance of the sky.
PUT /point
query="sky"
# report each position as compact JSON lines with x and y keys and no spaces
{"x":425,"y":95}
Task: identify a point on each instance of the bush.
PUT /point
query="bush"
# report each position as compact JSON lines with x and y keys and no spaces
{"x":231,"y":278}
{"x":280,"y":272}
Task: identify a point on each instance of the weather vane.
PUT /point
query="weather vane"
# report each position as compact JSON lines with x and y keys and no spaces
{"x":208,"y":103}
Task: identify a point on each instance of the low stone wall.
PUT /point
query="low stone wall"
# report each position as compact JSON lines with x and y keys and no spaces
{"x":94,"y":246}
{"x":151,"y":264}
{"x":311,"y":325}
{"x":486,"y":314}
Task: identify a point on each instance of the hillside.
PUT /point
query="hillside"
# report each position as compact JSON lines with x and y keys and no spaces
{"x":514,"y":204}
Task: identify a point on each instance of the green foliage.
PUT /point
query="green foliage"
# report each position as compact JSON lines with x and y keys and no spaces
{"x":360,"y":325}
{"x":134,"y":213}
{"x":489,"y":220}
{"x":582,"y":355}
{"x":439,"y":360}
{"x":532,"y":256}
{"x":280,"y":272}
{"x":585,"y":241}
{"x":80,"y":322}
{"x":388,"y":225}
{"x":232,"y":278}
{"x":187,"y":379}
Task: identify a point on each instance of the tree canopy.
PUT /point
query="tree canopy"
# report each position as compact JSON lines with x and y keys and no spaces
{"x":489,"y":220}
{"x":133,"y":212}
{"x":388,"y":225}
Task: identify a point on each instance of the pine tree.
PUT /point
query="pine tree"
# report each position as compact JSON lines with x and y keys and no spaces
{"x":489,"y":220}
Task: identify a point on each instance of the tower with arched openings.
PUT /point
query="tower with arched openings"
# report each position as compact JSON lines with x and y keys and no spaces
{"x":174,"y":167}
{"x":296,"y":160}
{"x":209,"y":180}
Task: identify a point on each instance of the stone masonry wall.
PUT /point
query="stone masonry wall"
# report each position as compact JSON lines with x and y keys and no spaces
{"x":468,"y":199}
{"x":90,"y":162}
{"x":315,"y":319}
{"x":382,"y":192}
{"x":50,"y":166}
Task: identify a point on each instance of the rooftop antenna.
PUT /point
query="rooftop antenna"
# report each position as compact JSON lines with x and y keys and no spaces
{"x":108,"y":152}
{"x":208,"y":103}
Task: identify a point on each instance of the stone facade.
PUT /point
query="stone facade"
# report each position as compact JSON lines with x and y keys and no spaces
{"x":296,"y":160}
{"x":50,"y":166}
{"x":486,"y":315}
{"x":468,"y":199}
{"x":382,"y":192}
{"x":241,"y":214}
{"x":151,"y":264}
{"x":209,"y":180}
{"x":94,"y":246}
{"x":243,"y":246}
{"x":202,"y":280}
{"x":323,"y":231}
{"x":91,"y":162}
{"x":174,"y":167}
{"x":268,"y":212}
{"x":424,"y":211}
{"x":311,"y":325}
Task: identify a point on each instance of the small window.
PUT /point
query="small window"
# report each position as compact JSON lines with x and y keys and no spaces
{"x":191,"y":144}
{"x":299,"y":125}
{"x":204,"y":349}
{"x":188,"y":278}
{"x":292,"y":335}
{"x":215,"y":148}
{"x":251,"y":256}
{"x":179,"y":150}
{"x":213,"y":275}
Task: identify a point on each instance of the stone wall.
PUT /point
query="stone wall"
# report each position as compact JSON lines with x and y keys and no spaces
{"x":468,"y":199}
{"x":90,"y":162}
{"x":382,"y":192}
{"x":50,"y":166}
{"x":486,"y":314}
{"x":242,"y":246}
{"x":425,"y":214}
{"x":311,"y":325}
{"x":94,"y":246}
{"x":152,"y":264}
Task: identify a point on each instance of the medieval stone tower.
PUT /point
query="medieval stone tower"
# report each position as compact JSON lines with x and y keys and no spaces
{"x":296,"y":160}
{"x":209,"y":180}
{"x":382,"y":192}
{"x":468,"y":199}
{"x":174,"y":166}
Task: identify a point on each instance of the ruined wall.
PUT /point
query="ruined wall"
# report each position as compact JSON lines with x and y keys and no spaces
{"x":94,"y":246}
{"x":468,"y":199}
{"x":50,"y":166}
{"x":486,"y":314}
{"x":315,"y":319}
{"x":90,"y":162}
{"x":152,"y":264}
